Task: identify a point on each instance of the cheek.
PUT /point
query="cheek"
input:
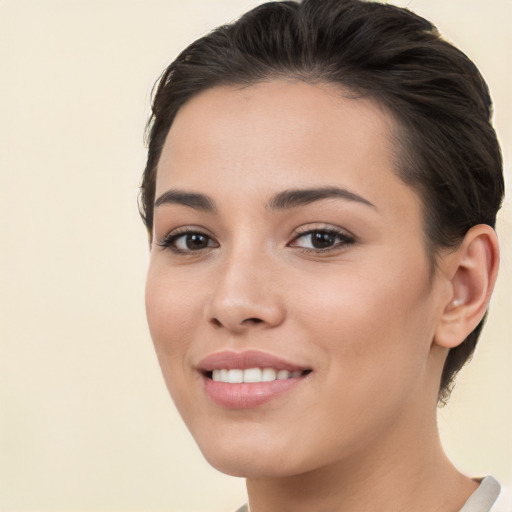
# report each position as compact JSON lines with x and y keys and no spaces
{"x":375,"y":341}
{"x":170,"y":313}
{"x":368,"y":319}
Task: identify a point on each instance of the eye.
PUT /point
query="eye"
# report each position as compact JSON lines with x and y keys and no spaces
{"x":187,"y":241}
{"x":322,"y":240}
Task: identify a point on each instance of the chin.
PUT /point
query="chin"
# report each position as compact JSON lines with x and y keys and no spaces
{"x":242,"y":466}
{"x":251,"y":465}
{"x":255,"y":455}
{"x":246,"y":458}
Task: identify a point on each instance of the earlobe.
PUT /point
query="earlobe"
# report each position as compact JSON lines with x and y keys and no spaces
{"x":473,"y":268}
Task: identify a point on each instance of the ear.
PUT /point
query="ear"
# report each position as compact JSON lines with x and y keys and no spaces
{"x":471,"y":271}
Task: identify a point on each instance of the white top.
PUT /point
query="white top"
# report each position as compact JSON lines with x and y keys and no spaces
{"x":484,"y":497}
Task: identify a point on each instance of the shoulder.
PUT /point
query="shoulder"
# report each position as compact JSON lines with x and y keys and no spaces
{"x":504,"y":500}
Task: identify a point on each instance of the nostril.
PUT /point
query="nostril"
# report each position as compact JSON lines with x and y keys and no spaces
{"x":216,"y":322}
{"x":253,"y":321}
{"x":235,"y":324}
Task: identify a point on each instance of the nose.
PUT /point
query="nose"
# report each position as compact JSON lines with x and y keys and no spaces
{"x":245,"y":295}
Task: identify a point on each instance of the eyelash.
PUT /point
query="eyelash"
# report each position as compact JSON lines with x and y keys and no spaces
{"x":344,"y":240}
{"x":169,"y":240}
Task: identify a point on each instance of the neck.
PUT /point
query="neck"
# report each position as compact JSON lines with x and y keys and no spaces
{"x":382,"y":479}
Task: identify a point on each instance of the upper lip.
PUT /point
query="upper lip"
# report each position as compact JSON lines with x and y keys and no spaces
{"x":229,"y":360}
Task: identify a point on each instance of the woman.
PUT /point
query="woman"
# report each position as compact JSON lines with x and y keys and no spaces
{"x":320,"y":195}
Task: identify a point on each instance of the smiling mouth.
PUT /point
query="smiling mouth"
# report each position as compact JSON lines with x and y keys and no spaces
{"x":251,"y":378}
{"x":246,"y":388}
{"x":253,"y":375}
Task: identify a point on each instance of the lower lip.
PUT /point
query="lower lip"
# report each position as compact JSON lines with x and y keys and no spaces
{"x":246,"y":395}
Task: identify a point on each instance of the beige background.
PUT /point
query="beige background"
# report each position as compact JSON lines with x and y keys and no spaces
{"x":85,"y":421}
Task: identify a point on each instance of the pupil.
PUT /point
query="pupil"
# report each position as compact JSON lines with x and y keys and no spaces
{"x":321,"y":239}
{"x":196,"y":241}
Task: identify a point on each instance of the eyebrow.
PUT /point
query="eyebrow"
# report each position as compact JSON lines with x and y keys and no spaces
{"x":193,"y":200}
{"x":299,"y":197}
{"x":288,"y":199}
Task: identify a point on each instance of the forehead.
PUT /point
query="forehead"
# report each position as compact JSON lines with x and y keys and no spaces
{"x":280,"y":134}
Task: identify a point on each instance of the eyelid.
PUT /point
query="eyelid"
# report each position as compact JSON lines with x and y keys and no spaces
{"x":345,"y":236}
{"x":313,"y":227}
{"x":166,"y":241}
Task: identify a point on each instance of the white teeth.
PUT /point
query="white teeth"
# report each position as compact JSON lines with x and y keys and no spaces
{"x":236,"y":376}
{"x":268,"y":374}
{"x":253,"y":375}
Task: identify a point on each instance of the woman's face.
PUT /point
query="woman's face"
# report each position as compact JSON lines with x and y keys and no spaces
{"x":287,"y":253}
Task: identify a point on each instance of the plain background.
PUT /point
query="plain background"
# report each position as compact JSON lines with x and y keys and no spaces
{"x":85,"y":420}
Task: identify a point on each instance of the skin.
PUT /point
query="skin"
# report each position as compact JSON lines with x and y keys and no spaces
{"x":368,"y":316}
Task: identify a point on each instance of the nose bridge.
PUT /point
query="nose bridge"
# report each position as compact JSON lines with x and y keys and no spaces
{"x":245,"y":294}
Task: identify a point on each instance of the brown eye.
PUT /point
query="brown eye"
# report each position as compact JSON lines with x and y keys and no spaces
{"x":322,"y":240}
{"x":189,"y":241}
{"x":195,"y":241}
